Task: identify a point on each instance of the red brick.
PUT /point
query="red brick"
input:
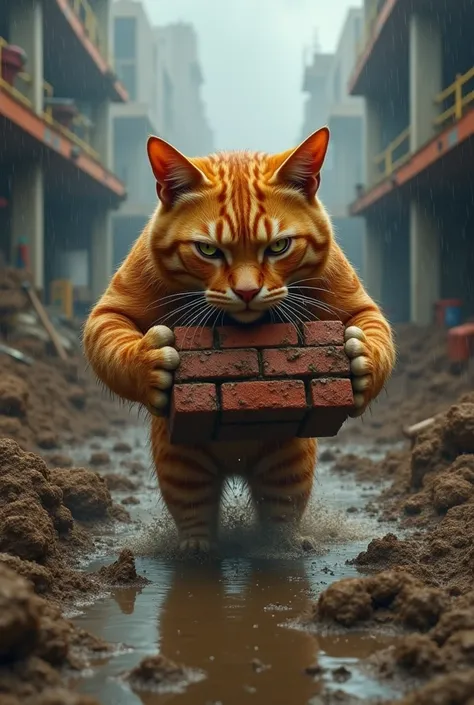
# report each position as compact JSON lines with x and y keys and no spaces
{"x":331,"y":392}
{"x":194,"y":409}
{"x":257,"y":431}
{"x":262,"y":401}
{"x":323,"y":333}
{"x":268,"y":335}
{"x":217,"y":365}
{"x":332,"y":400}
{"x":193,"y":338}
{"x":305,"y":362}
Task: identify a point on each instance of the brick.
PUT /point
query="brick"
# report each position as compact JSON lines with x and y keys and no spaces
{"x":257,"y":431}
{"x":193,"y":338}
{"x":331,"y":392}
{"x":323,"y":333}
{"x":194,"y":409}
{"x":217,"y":365}
{"x":269,"y":335}
{"x":332,"y":399}
{"x":323,"y":423}
{"x":263,"y":401}
{"x":305,"y":362}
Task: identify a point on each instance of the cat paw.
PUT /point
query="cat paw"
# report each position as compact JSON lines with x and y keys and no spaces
{"x":196,"y":546}
{"x":356,"y":350}
{"x":159,"y":360}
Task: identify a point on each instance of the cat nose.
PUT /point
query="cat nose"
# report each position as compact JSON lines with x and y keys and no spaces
{"x":247,"y":293}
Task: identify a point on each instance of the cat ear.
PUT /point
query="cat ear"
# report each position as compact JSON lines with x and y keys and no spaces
{"x":301,"y":167}
{"x":175,"y":174}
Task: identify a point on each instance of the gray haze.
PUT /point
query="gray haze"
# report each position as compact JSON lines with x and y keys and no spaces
{"x":251,"y":52}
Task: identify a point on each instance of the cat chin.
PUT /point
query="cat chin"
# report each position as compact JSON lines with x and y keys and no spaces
{"x":247,"y":316}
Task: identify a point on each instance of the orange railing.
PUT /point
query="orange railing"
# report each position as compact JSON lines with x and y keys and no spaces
{"x":19,"y":92}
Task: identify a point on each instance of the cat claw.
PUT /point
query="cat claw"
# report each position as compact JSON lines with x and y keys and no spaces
{"x":360,"y":366}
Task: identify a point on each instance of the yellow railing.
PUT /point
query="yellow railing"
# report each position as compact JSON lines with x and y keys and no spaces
{"x":83,"y":10}
{"x":460,"y":94}
{"x":394,"y":155}
{"x":80,"y":121}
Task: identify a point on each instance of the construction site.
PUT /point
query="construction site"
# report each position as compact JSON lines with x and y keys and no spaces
{"x":371,"y":601}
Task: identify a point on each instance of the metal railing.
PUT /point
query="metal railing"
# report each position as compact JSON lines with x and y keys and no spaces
{"x":83,"y":10}
{"x":393,"y":156}
{"x":81,"y":123}
{"x":455,"y":98}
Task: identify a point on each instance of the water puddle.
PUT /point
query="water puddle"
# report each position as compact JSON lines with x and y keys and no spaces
{"x":234,"y":618}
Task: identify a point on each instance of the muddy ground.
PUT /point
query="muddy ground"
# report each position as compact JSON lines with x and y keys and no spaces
{"x":416,"y":582}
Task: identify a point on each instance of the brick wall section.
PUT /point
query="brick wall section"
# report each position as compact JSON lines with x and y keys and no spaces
{"x":260,"y":382}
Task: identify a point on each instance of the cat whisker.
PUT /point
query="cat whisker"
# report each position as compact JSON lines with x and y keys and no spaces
{"x":174,"y":297}
{"x":311,"y":300}
{"x":300,"y":315}
{"x":316,"y":304}
{"x":187,"y":307}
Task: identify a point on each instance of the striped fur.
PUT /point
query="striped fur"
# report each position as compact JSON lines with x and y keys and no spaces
{"x":239,"y":203}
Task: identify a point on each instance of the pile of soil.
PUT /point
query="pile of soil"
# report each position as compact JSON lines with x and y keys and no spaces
{"x":36,"y":644}
{"x":420,"y":584}
{"x":48,"y":518}
{"x":422,"y":384}
{"x":13,"y":299}
{"x":52,"y":403}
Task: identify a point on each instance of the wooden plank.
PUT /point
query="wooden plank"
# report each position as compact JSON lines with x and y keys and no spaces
{"x":43,"y":316}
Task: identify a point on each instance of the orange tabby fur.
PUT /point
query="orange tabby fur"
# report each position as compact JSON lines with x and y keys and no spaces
{"x":239,"y":203}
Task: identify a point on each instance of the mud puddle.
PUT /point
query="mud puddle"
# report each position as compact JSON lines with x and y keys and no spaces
{"x":232,"y":620}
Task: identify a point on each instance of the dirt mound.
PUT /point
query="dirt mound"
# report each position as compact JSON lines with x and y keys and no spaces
{"x":123,"y":571}
{"x":36,"y":643}
{"x":425,"y":583}
{"x":159,"y":674}
{"x":40,"y":511}
{"x":389,"y":597}
{"x":422,"y":385}
{"x":52,"y":401}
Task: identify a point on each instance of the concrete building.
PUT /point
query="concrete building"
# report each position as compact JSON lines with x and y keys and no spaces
{"x":328,"y":103}
{"x":160,"y":69}
{"x":416,"y":73}
{"x":57,"y":187}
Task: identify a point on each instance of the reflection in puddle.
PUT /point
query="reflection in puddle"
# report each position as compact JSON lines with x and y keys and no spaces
{"x":232,"y":618}
{"x":228,"y":620}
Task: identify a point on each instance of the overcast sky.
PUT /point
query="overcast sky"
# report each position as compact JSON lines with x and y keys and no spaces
{"x":251,"y":52}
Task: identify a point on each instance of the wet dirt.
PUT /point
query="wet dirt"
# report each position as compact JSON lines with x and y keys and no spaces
{"x":228,"y":629}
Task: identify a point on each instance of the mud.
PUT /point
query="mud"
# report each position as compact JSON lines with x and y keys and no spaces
{"x":36,"y":643}
{"x":423,"y":384}
{"x":421,"y":581}
{"x":383,"y":606}
{"x":53,"y":403}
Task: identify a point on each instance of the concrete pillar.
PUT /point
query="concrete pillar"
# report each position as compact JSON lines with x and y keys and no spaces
{"x":425,"y":263}
{"x":26,"y":30}
{"x":372,"y":139}
{"x":373,"y":259}
{"x":102,"y":133}
{"x":425,"y":77}
{"x":103,"y":14}
{"x":27,"y":219}
{"x":101,"y":253}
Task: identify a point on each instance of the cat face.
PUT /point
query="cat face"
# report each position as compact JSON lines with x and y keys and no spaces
{"x":240,"y":227}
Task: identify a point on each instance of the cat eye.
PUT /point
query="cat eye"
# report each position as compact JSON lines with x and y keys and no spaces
{"x":207,"y":250}
{"x":279,"y":246}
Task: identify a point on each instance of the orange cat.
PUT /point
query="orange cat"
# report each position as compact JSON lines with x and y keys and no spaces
{"x":241,"y":234}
